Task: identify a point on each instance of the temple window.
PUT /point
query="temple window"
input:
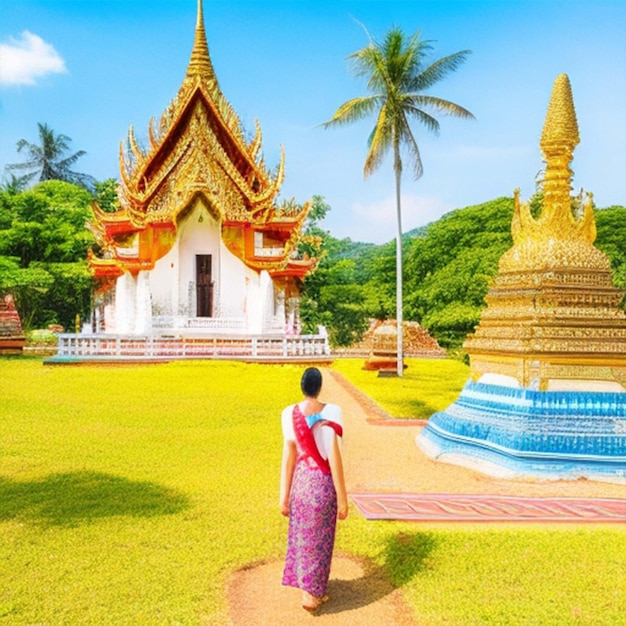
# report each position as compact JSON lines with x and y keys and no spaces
{"x":127,"y":246}
{"x":266,"y":246}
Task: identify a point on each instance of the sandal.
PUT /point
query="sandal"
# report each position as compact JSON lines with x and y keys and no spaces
{"x":311,"y":608}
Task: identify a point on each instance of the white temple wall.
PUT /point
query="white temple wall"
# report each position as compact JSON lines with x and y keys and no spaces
{"x":164,"y":283}
{"x":235,"y":281}
{"x":173,"y":279}
{"x":143,"y":304}
{"x":168,"y":291}
{"x":199,"y":233}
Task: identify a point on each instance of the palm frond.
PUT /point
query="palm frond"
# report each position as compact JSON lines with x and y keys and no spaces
{"x":408,"y":139}
{"x":396,"y":79}
{"x":353,"y":110}
{"x":26,"y":165}
{"x":423,"y":118}
{"x":438,"y":70}
{"x":379,"y":142}
{"x":442,"y":106}
{"x":66,"y":163}
{"x":369,"y":63}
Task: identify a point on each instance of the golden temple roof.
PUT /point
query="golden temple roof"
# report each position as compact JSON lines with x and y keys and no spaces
{"x":197,"y":151}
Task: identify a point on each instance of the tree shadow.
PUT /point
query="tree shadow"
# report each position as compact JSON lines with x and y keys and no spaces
{"x":75,"y":498}
{"x":404,"y":557}
{"x":417,"y":409}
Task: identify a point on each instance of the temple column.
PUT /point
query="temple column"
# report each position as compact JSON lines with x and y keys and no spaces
{"x":252,"y":308}
{"x":143,"y":306}
{"x":266,"y":289}
{"x":125,"y":299}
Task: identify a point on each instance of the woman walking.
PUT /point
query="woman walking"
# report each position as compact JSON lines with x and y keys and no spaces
{"x":312,"y":489}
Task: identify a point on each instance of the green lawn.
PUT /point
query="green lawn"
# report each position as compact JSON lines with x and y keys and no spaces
{"x":128,"y":495}
{"x":428,"y":385}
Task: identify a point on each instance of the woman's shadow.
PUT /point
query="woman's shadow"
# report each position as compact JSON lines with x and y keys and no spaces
{"x":403,"y":558}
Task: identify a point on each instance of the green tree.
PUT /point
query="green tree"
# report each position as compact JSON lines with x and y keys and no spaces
{"x":332,"y":295}
{"x":48,"y":160}
{"x":106,"y":195}
{"x":397,"y":77}
{"x":47,"y":224}
{"x":29,"y":287}
{"x":43,"y":250}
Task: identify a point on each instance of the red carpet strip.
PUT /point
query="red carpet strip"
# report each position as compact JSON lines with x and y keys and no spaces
{"x":484,"y":508}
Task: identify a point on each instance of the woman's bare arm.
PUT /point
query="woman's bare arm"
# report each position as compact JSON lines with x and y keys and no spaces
{"x":286,"y":475}
{"x":336,"y":468}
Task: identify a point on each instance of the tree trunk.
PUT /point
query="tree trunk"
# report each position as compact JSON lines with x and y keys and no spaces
{"x":397,"y":166}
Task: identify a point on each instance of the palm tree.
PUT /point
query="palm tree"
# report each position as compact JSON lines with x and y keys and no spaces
{"x":47,"y":161}
{"x":397,"y":79}
{"x":14,"y":185}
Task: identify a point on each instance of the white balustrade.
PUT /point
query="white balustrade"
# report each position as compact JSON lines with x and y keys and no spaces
{"x":182,"y":347}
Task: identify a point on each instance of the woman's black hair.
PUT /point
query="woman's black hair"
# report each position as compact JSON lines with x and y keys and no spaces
{"x":311,"y":382}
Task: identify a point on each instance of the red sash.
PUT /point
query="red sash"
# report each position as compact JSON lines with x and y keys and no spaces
{"x":306,"y":440}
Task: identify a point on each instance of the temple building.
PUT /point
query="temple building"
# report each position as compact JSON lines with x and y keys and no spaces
{"x":200,"y":243}
{"x":547,"y":395}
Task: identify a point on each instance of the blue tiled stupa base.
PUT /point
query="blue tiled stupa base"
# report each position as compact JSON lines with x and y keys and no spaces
{"x":515,"y":432}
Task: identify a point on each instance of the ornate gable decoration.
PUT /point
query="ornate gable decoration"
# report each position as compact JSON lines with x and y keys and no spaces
{"x":198,"y":149}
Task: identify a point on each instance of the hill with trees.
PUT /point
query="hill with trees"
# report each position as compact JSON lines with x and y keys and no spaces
{"x":448,"y":267}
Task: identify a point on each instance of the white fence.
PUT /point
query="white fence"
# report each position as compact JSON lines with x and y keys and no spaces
{"x":75,"y":346}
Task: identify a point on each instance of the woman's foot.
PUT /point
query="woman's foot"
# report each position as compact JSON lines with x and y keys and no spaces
{"x":310,"y":603}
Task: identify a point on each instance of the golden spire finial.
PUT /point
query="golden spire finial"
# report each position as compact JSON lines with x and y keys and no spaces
{"x":200,"y":63}
{"x":560,"y":128}
{"x":558,"y":140}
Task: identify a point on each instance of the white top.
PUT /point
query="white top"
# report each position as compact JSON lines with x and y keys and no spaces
{"x":323,"y":434}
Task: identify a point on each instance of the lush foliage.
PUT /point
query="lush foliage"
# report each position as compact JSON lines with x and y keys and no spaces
{"x":452,"y":265}
{"x":106,"y":195}
{"x":611,"y":225}
{"x":43,"y":252}
{"x":332,"y":295}
{"x":128,"y":495}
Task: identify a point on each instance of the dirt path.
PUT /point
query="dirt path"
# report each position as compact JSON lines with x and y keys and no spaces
{"x":377,"y":457}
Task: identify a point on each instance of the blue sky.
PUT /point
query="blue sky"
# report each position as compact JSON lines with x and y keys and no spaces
{"x":91,"y":68}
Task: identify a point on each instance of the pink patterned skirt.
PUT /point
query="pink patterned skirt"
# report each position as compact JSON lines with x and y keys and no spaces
{"x":312,"y":523}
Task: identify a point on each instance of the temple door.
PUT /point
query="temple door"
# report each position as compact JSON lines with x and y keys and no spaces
{"x":204,"y":286}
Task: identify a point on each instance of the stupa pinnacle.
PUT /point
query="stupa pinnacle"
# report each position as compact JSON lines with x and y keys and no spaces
{"x":563,"y":235}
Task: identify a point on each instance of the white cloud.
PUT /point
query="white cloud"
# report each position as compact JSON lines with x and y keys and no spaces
{"x":376,"y":221}
{"x":27,"y":58}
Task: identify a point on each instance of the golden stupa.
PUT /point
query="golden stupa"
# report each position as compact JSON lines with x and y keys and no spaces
{"x":553,"y":318}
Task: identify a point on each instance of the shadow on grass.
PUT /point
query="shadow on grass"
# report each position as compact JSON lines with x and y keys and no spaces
{"x":404,"y":558}
{"x":417,"y":410}
{"x":81,"y":497}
